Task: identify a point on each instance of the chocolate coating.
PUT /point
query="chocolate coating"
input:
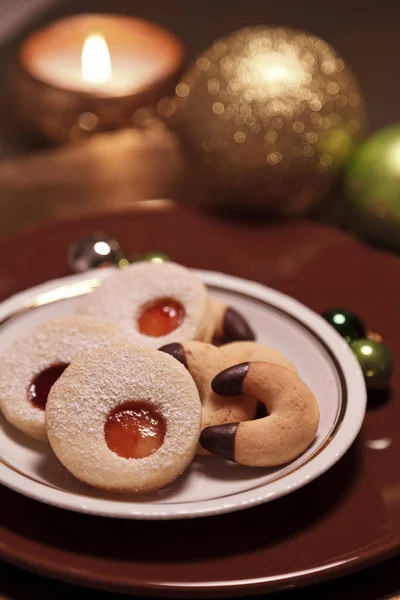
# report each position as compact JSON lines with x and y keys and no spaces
{"x":177,"y":351}
{"x":229,"y":382}
{"x":236,"y":328}
{"x":220,"y":439}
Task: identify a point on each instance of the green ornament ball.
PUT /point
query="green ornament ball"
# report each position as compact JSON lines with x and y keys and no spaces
{"x":375,"y":361}
{"x":155,"y":257}
{"x":372,"y":188}
{"x":346,"y":323}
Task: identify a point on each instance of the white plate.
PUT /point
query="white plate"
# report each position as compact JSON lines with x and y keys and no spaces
{"x":210,"y":485}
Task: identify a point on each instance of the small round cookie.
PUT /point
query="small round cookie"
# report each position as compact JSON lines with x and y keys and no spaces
{"x":33,"y":363}
{"x":153,"y":303}
{"x":286,"y":432}
{"x":124,"y":419}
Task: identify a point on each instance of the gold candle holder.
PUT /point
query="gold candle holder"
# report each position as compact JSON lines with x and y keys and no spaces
{"x":89,"y":73}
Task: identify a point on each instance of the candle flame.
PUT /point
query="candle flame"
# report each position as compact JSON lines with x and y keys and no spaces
{"x":96,"y":60}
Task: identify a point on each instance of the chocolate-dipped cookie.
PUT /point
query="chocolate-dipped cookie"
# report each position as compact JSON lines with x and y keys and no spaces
{"x":284,"y":434}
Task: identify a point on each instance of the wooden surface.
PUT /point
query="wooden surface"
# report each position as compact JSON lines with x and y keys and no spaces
{"x":118,"y":169}
{"x":108,"y":172}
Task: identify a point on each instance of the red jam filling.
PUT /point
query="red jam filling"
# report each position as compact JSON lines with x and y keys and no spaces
{"x":42,"y":383}
{"x":134,"y":430}
{"x":161,"y":317}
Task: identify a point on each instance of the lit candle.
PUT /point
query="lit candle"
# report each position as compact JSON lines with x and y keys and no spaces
{"x":124,"y":61}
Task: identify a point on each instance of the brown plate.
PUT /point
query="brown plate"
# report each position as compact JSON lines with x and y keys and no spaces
{"x":347,"y":519}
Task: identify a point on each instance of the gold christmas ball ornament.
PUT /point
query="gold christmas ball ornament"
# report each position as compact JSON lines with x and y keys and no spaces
{"x":273,"y":113}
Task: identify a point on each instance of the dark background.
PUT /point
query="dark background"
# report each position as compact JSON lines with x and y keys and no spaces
{"x":366,"y":33}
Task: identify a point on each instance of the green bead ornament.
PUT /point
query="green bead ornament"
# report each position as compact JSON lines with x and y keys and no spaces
{"x":372,"y":188}
{"x":375,"y":361}
{"x":155,"y":257}
{"x":346,"y":323}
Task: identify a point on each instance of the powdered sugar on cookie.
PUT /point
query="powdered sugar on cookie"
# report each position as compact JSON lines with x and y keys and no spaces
{"x":81,"y":400}
{"x":122,"y":297}
{"x":55,"y":342}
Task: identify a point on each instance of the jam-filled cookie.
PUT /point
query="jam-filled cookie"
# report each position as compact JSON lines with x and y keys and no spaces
{"x":125,"y":419}
{"x":205,"y":361}
{"x":284,"y":434}
{"x":153,"y":303}
{"x":33,"y":363}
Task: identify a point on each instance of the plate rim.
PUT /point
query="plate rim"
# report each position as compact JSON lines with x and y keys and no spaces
{"x":337,"y":347}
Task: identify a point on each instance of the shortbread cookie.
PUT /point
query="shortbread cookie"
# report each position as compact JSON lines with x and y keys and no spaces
{"x":284,"y":434}
{"x":125,"y":419}
{"x":33,"y":363}
{"x":154,"y":304}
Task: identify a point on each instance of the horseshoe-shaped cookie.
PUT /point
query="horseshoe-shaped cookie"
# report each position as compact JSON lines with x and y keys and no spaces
{"x":280,"y":437}
{"x":205,"y":361}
